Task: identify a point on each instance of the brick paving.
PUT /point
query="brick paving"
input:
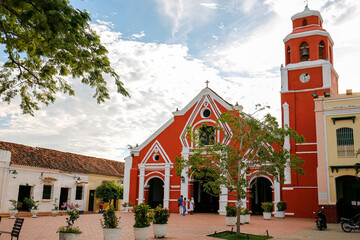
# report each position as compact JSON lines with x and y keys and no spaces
{"x":195,"y":226}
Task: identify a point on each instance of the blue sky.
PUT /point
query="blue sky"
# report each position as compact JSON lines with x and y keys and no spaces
{"x":164,"y":51}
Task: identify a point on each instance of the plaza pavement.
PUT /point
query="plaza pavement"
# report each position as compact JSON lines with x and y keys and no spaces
{"x":195,"y":226}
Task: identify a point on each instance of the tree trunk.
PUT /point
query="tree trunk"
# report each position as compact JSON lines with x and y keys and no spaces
{"x":238,"y":215}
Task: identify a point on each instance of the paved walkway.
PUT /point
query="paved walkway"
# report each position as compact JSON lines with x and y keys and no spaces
{"x":189,"y":227}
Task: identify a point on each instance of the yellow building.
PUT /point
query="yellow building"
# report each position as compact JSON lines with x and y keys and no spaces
{"x":338,"y":139}
{"x":110,"y":171}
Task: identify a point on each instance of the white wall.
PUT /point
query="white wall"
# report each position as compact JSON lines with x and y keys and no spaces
{"x":32,"y":177}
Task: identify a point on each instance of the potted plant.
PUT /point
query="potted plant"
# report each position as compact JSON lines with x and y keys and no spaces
{"x":161,"y":216}
{"x":143,"y":218}
{"x":126,"y":207}
{"x":33,"y":206}
{"x":247,"y":213}
{"x":70,"y":232}
{"x":281,"y":207}
{"x":267,"y":207}
{"x":55,"y":210}
{"x":110,"y":224}
{"x":15,"y":205}
{"x":230,"y":215}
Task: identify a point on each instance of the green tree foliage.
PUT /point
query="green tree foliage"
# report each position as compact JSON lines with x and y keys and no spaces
{"x":109,"y":191}
{"x":110,"y":218}
{"x":255,"y":144}
{"x":45,"y":41}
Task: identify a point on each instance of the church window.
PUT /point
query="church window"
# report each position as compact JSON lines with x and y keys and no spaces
{"x":79,"y":192}
{"x":345,"y":142}
{"x":47,"y":192}
{"x":206,"y":113}
{"x":304,"y":52}
{"x":156,"y":157}
{"x":304,"y":22}
{"x":321,"y":50}
{"x":207,"y":135}
{"x":288,"y":55}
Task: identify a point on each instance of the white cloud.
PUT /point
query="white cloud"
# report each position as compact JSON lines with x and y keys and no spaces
{"x":209,"y":5}
{"x":139,"y":35}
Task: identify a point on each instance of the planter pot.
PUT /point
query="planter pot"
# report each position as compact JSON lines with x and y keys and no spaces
{"x":130,"y":209}
{"x":55,"y":212}
{"x":242,"y":219}
{"x":13,"y":213}
{"x":267,"y":215}
{"x":69,"y":236}
{"x":280,"y":214}
{"x":111,"y":233}
{"x":160,"y":230}
{"x":230,"y":221}
{"x":141,"y":233}
{"x":34,"y":212}
{"x":247,"y":218}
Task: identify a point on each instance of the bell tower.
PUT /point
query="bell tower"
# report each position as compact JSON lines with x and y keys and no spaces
{"x":308,"y":73}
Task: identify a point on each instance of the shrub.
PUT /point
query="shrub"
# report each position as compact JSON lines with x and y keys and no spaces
{"x":267,"y":206}
{"x":15,"y":205}
{"x":109,"y":191}
{"x":110,"y":218}
{"x":281,"y":206}
{"x":143,"y":216}
{"x":31,"y":203}
{"x":246,"y":211}
{"x":161,"y":215}
{"x":74,"y":214}
{"x":230,"y":211}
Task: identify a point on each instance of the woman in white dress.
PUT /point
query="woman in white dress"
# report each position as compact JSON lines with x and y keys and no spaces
{"x":191,"y":206}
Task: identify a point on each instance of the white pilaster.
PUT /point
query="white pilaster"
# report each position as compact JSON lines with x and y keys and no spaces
{"x":5,"y":157}
{"x":126,"y":183}
{"x":184,"y":174}
{"x":141,"y":183}
{"x":223,"y":200}
{"x":276,"y":193}
{"x":284,"y":79}
{"x":287,"y":171}
{"x":167,"y":186}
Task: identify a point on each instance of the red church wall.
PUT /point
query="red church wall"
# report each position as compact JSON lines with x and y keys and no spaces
{"x":301,"y":201}
{"x":310,"y":20}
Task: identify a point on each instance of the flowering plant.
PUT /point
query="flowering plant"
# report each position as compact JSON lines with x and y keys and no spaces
{"x":15,"y":205}
{"x":32,"y":204}
{"x":143,"y":216}
{"x":74,"y":214}
{"x":161,"y":215}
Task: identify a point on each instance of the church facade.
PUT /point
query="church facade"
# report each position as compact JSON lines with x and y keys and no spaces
{"x":307,"y":75}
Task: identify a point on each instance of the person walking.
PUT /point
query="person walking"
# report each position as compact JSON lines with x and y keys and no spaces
{"x":184,"y":206}
{"x":180,"y":200}
{"x":191,"y":206}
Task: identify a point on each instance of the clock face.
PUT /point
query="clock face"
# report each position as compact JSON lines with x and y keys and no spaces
{"x":305,"y":77}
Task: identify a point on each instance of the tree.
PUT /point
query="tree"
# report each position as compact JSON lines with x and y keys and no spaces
{"x":109,"y":191}
{"x":45,"y":41}
{"x":255,"y":144}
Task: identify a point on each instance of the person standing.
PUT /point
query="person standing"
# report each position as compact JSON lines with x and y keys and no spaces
{"x":180,"y":200}
{"x":184,"y":206}
{"x":191,"y":206}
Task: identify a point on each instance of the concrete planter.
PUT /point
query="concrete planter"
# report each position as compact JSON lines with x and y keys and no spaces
{"x":69,"y":236}
{"x":160,"y":230}
{"x":242,"y":219}
{"x":54,"y":212}
{"x":34,"y":212}
{"x":141,"y":233}
{"x":230,"y":221}
{"x":280,"y":214}
{"x":111,"y":233}
{"x":247,"y":218}
{"x":13,"y":213}
{"x":267,"y":215}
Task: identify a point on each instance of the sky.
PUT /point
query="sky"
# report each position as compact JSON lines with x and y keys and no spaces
{"x":164,"y":51}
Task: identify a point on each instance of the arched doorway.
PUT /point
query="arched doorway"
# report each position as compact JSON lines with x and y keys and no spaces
{"x":261,"y":191}
{"x":347,"y":196}
{"x":156,"y":192}
{"x":205,"y":201}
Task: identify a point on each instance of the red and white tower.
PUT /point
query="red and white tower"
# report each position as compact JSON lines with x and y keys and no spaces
{"x":308,"y":73}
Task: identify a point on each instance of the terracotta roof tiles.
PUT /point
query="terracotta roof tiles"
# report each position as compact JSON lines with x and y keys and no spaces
{"x":64,"y":161}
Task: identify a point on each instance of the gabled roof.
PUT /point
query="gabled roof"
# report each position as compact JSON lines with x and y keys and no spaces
{"x":205,"y":91}
{"x":63,"y":161}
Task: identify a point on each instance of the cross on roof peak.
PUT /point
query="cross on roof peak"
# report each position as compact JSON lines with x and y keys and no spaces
{"x":207,"y":83}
